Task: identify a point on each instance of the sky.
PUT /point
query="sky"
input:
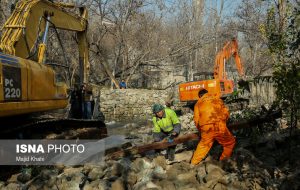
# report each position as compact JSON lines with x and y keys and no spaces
{"x":229,"y":5}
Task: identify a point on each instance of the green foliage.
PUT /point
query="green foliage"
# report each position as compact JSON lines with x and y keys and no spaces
{"x":275,"y":36}
{"x":283,"y":36}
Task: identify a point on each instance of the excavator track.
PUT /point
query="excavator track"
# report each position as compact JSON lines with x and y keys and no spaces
{"x":54,"y":129}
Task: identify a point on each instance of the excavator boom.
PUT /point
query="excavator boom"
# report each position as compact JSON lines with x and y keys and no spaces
{"x":229,"y":49}
{"x":28,"y":22}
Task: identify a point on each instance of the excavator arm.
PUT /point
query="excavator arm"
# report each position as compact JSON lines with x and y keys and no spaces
{"x":230,"y":49}
{"x":30,"y":21}
{"x":27,"y":83}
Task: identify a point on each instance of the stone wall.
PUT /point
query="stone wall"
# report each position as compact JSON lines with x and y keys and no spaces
{"x":129,"y":104}
{"x":262,"y":92}
{"x":135,"y":104}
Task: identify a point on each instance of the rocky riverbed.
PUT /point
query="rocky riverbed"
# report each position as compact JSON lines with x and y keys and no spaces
{"x":269,"y":163}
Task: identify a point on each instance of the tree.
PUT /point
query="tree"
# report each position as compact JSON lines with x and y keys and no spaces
{"x":282,"y":31}
{"x":249,"y":16}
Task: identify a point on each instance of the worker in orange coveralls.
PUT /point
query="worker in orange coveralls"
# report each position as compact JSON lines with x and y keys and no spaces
{"x":210,"y":116}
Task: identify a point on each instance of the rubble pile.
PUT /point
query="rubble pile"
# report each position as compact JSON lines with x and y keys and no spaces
{"x":242,"y":171}
{"x":187,"y":123}
{"x":270,"y":163}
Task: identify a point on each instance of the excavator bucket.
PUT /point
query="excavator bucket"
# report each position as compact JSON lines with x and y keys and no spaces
{"x":243,"y":84}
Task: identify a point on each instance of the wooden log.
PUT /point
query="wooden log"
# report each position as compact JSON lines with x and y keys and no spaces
{"x":255,"y":121}
{"x":153,"y":146}
{"x":192,"y":136}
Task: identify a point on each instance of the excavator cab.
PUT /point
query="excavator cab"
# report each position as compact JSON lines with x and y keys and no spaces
{"x":203,"y":76}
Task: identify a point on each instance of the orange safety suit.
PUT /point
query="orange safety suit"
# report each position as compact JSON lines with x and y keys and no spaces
{"x":210,"y":116}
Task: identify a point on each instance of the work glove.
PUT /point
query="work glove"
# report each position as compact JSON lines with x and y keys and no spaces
{"x":171,"y":137}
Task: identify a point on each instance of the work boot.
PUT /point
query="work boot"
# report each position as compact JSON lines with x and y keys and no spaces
{"x":161,"y":153}
{"x":166,"y":156}
{"x":171,"y":154}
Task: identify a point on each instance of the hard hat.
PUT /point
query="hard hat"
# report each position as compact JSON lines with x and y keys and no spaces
{"x":202,"y":91}
{"x":157,"y":108}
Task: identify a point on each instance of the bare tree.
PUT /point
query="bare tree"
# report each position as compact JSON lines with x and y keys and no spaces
{"x":250,"y":17}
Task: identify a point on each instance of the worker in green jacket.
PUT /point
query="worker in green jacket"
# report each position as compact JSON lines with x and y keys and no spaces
{"x":166,"y":127}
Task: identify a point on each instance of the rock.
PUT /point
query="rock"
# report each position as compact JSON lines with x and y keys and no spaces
{"x":189,"y":188}
{"x":204,"y":188}
{"x":102,"y":185}
{"x":184,"y":179}
{"x":115,"y":170}
{"x":214,"y":174}
{"x":88,"y":167}
{"x":72,"y":171}
{"x":237,"y":185}
{"x":229,"y":165}
{"x":145,"y":175}
{"x":13,"y":178}
{"x":177,"y":168}
{"x":141,"y":164}
{"x":146,"y":170}
{"x":140,"y":186}
{"x":160,"y":161}
{"x":60,"y":167}
{"x":201,"y":170}
{"x":220,"y":186}
{"x":284,"y":124}
{"x":2,"y":184}
{"x":13,"y":186}
{"x":95,"y":185}
{"x":187,"y":122}
{"x":171,"y":173}
{"x":159,"y":173}
{"x":166,"y":184}
{"x":151,"y":185}
{"x":252,"y":184}
{"x":211,"y":184}
{"x":88,"y":187}
{"x":24,"y":177}
{"x":72,"y":178}
{"x":118,"y":185}
{"x":146,"y":186}
{"x":51,"y":181}
{"x":47,"y":174}
{"x":211,"y":165}
{"x":227,"y":179}
{"x":184,"y":156}
{"x":208,"y":170}
{"x":96,"y":173}
{"x":278,"y":174}
{"x":38,"y":184}
{"x":131,"y":178}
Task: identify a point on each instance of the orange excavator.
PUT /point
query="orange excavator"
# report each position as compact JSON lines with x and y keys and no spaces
{"x":220,"y":85}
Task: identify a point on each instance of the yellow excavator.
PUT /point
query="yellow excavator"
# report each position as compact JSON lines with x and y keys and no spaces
{"x":28,"y":84}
